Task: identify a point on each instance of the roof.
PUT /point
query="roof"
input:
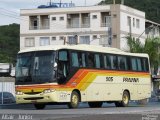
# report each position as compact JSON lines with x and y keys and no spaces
{"x":93,"y":48}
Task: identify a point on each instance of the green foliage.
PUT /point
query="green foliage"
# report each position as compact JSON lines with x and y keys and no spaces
{"x":151,"y":47}
{"x":151,"y":7}
{"x":9,"y":42}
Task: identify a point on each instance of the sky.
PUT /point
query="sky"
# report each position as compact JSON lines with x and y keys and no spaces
{"x":10,"y":9}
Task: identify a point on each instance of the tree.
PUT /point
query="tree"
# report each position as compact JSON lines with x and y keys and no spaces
{"x":151,"y":47}
{"x":9,"y":42}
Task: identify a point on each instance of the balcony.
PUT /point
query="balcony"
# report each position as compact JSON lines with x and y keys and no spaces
{"x":78,"y":20}
{"x":39,"y":22}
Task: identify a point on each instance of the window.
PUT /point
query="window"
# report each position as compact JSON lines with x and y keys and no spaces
{"x":72,"y":40}
{"x":107,"y":62}
{"x":113,"y":59}
{"x":61,"y":18}
{"x":61,"y":38}
{"x":133,"y":22}
{"x":97,"y":61}
{"x":83,"y":60}
{"x":139,"y":64}
{"x":53,"y":18}
{"x":63,"y":66}
{"x":90,"y":60}
{"x":128,"y":20}
{"x":145,"y":65}
{"x":94,"y":17}
{"x":44,"y":41}
{"x":94,"y":37}
{"x":74,"y":57}
{"x":137,"y":23}
{"x":122,"y":63}
{"x":63,"y":56}
{"x":29,"y":42}
{"x":53,"y":38}
{"x":134,"y":64}
{"x":84,"y":40}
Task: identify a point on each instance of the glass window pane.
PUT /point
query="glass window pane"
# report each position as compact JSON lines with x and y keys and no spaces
{"x":134,"y":64}
{"x":139,"y":64}
{"x":63,"y":56}
{"x":75,"y":62}
{"x":97,"y":61}
{"x":83,"y":60}
{"x":113,"y":62}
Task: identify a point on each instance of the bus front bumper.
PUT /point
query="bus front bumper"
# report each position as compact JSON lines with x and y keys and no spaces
{"x":37,"y":98}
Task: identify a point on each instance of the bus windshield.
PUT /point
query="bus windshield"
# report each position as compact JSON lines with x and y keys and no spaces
{"x":35,"y":67}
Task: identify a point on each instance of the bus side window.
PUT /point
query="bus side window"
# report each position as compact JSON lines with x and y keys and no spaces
{"x":145,"y":64}
{"x":113,"y":62}
{"x":122,"y":63}
{"x":107,"y":62}
{"x":90,"y":60}
{"x":83,"y":59}
{"x":139,"y":64}
{"x":63,"y":65}
{"x":97,"y":61}
{"x":134,"y":64}
{"x":74,"y":58}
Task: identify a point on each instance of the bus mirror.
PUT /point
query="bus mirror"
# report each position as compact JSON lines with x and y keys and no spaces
{"x":55,"y":65}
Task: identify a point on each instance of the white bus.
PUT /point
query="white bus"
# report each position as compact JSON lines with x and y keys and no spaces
{"x":81,"y":73}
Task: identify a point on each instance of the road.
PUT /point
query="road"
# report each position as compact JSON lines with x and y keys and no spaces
{"x":61,"y":112}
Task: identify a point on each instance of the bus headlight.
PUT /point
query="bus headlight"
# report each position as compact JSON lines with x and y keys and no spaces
{"x":19,"y":93}
{"x":49,"y":90}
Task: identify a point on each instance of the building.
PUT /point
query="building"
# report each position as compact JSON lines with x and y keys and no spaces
{"x":105,"y":25}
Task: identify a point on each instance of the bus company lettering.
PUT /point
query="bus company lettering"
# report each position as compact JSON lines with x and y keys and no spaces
{"x":130,"y":79}
{"x":110,"y":79}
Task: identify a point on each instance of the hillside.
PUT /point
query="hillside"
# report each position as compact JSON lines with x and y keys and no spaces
{"x":9,"y":42}
{"x":151,"y":7}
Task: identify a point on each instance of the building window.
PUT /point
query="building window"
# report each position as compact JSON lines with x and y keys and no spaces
{"x":94,"y":17}
{"x":72,"y":40}
{"x":137,"y":23}
{"x":61,"y":38}
{"x":128,"y":20}
{"x":54,"y":18}
{"x":53,"y":38}
{"x":84,"y":40}
{"x":133,"y":22}
{"x":94,"y":37}
{"x":44,"y":41}
{"x":61,"y":18}
{"x":29,"y":42}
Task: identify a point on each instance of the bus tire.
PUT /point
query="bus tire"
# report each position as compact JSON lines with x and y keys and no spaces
{"x":74,"y":102}
{"x":39,"y":106}
{"x":95,"y":104}
{"x":125,"y":100}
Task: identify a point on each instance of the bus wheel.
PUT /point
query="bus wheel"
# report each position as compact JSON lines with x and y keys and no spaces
{"x":74,"y":100}
{"x":95,"y":104}
{"x":39,"y":106}
{"x":125,"y":100}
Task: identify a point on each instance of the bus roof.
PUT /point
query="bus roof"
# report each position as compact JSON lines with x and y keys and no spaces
{"x":92,"y":48}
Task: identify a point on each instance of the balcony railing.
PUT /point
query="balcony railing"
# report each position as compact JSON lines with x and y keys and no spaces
{"x":85,"y":25}
{"x":39,"y":27}
{"x":105,"y":24}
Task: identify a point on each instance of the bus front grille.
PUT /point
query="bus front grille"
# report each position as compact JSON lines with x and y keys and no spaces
{"x":33,"y":98}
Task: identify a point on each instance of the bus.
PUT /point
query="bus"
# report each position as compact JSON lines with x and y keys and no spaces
{"x":70,"y":74}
